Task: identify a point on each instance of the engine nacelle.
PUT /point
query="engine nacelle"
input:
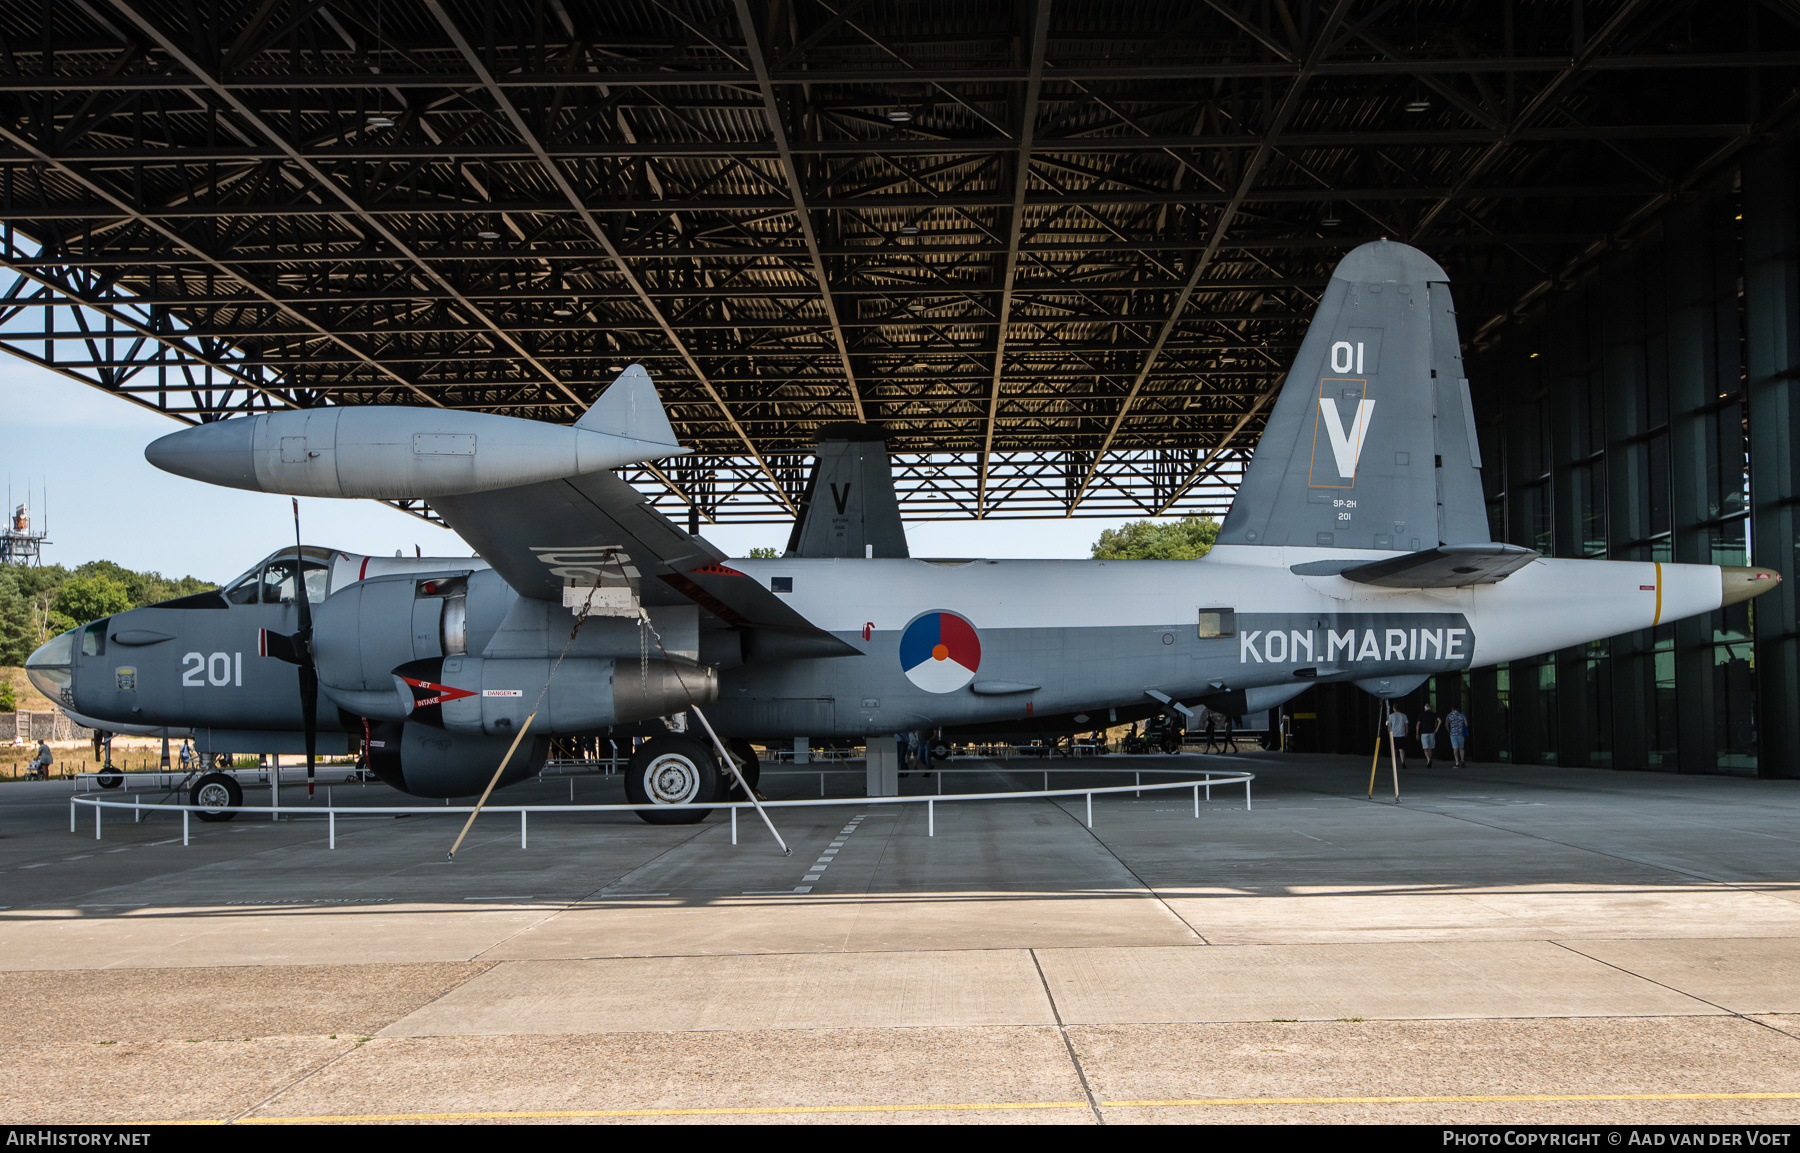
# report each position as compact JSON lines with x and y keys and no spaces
{"x":493,"y":695}
{"x":361,"y":633}
{"x":429,"y":762}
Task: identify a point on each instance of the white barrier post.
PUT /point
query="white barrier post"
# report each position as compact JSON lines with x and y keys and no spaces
{"x":1196,"y":802}
{"x":1138,"y":779}
{"x":96,"y":822}
{"x":931,"y":818}
{"x":734,"y":824}
{"x":1246,"y":796}
{"x":331,"y":828}
{"x":184,"y":828}
{"x":521,"y":828}
{"x":71,"y":816}
{"x":1090,"y":798}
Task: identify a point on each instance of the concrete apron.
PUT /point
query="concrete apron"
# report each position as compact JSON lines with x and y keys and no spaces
{"x":1536,"y":917}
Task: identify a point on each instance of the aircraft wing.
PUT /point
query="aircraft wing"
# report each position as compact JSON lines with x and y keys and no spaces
{"x":589,"y":528}
{"x":1446,"y":566}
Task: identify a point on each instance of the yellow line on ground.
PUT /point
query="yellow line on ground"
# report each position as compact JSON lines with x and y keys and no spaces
{"x":742,"y":1110}
{"x":725,"y":1111}
{"x":1457,"y":1099}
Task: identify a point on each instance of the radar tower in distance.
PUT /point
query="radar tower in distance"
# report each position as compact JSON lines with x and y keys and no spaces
{"x":18,"y":544}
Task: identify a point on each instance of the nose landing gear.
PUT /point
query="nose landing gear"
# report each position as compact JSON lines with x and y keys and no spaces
{"x":217,"y":796}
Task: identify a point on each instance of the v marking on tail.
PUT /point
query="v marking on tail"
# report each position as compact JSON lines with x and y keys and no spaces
{"x":1346,"y":447}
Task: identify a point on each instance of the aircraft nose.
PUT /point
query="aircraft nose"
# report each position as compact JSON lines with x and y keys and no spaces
{"x":217,"y":453}
{"x":1740,"y":584}
{"x":49,"y":668}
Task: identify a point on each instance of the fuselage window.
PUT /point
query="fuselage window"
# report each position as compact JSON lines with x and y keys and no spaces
{"x":781,"y":584}
{"x":1217,"y":623}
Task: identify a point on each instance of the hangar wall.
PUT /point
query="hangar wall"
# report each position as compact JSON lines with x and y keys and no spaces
{"x":1647,"y":412}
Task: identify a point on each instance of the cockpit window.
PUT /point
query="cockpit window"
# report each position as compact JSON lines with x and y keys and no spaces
{"x":93,"y":638}
{"x":245,"y":590}
{"x":278,"y":580}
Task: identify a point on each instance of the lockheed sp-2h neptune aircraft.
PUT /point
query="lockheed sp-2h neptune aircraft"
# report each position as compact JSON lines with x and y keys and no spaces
{"x":1357,"y":550}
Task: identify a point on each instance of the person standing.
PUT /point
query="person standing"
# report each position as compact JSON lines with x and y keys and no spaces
{"x":1457,"y":726}
{"x":1398,"y":723}
{"x":40,"y":764}
{"x":1429,"y":725}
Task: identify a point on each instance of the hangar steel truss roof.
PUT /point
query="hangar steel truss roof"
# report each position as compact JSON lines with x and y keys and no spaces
{"x":1062,"y":250}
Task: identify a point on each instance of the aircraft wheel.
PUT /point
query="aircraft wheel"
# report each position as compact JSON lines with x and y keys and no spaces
{"x":109,"y":779}
{"x":940,"y":751}
{"x":751,"y":768}
{"x":217,"y":796}
{"x":674,"y":771}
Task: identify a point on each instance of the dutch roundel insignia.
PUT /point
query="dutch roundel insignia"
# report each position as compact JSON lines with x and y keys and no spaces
{"x":940,"y":652}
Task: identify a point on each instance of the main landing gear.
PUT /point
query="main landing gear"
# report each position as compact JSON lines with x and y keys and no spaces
{"x":677,"y":771}
{"x":682,"y":771}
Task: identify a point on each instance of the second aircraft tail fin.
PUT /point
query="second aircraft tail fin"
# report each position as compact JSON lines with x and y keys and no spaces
{"x":1371,"y":444}
{"x":850,"y":508}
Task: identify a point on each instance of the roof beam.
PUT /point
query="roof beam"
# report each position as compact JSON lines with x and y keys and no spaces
{"x":558,"y":177}
{"x":211,"y":82}
{"x":791,"y":172}
{"x":1028,"y":115}
{"x":1278,"y":122}
{"x":1545,"y":99}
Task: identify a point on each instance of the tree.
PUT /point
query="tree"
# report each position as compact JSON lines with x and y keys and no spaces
{"x":1189,"y":538}
{"x":18,"y":636}
{"x":85,"y":598}
{"x":763,"y":554}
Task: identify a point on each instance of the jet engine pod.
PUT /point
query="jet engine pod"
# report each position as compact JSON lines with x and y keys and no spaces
{"x":494,"y":695}
{"x":428,"y":762}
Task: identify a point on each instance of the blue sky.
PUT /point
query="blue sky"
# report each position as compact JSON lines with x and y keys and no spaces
{"x":86,"y":450}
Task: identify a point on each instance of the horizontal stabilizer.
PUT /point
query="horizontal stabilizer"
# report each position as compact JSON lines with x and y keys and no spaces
{"x":1447,"y":566}
{"x":631,"y":409}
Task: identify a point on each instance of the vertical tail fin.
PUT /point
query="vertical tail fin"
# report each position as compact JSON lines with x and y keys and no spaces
{"x":630,"y":408}
{"x":1371,"y":444}
{"x":850,"y":509}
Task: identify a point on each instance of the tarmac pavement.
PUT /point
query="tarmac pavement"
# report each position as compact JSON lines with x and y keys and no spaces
{"x":1506,"y":944}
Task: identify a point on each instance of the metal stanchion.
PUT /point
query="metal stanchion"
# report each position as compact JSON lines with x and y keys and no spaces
{"x":521,"y":828}
{"x":1197,"y":802}
{"x":184,"y":828}
{"x":734,"y":824}
{"x":1090,"y":800}
{"x":931,"y":818}
{"x":331,"y":828}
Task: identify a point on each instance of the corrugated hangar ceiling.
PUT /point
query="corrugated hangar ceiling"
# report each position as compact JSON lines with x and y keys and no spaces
{"x":1062,"y":250}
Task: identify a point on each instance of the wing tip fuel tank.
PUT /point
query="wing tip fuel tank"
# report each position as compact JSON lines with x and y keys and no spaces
{"x":386,"y":453}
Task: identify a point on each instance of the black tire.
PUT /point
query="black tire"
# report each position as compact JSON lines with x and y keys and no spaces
{"x":940,"y":751}
{"x":109,"y":779}
{"x":679,"y":772}
{"x":751,"y":768}
{"x":216,"y":796}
